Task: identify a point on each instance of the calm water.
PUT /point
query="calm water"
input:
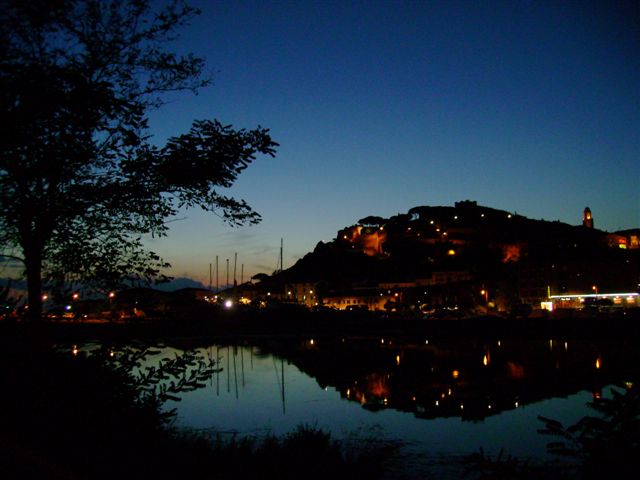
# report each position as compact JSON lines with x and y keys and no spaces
{"x":443,"y":398}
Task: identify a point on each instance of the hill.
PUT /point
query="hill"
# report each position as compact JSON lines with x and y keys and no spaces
{"x":462,"y":250}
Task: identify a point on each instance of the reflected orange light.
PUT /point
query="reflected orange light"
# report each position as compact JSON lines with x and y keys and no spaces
{"x":485,"y":360}
{"x":598,"y":362}
{"x":397,"y":359}
{"x":515,"y":370}
{"x":376,"y":386}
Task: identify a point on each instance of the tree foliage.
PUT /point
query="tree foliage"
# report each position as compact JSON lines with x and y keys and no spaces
{"x":80,"y":180}
{"x":605,"y":444}
{"x":372,"y":221}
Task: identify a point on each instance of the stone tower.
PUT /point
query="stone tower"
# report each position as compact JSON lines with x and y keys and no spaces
{"x":587,"y":218}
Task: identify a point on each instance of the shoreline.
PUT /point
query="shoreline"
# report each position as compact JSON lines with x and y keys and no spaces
{"x":231,"y":325}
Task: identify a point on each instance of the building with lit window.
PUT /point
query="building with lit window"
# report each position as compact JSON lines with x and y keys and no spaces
{"x":362,"y":299}
{"x":587,"y":218}
{"x":305,"y":293}
{"x":595,"y":300}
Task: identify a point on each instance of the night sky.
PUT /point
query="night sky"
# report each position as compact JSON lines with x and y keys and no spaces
{"x":530,"y":107}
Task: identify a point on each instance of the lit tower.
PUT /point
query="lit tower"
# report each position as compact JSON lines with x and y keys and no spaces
{"x":587,"y":219}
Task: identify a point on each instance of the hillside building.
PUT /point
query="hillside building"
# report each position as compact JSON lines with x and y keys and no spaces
{"x":587,"y":218}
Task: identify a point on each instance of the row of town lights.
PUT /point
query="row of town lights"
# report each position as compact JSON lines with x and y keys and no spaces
{"x":76,"y":296}
{"x":432,"y":222}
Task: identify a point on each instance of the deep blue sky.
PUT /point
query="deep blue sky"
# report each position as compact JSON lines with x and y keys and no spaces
{"x":532,"y":107}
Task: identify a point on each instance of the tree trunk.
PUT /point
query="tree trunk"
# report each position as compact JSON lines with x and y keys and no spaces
{"x":33,"y":263}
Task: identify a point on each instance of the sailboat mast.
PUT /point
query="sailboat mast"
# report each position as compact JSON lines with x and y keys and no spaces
{"x":235,"y":266}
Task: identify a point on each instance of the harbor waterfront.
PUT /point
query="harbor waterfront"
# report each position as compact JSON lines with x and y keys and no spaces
{"x":319,"y":240}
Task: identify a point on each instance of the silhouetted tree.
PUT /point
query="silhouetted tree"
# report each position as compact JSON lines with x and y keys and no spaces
{"x":372,"y":221}
{"x":80,"y":181}
{"x":260,"y":277}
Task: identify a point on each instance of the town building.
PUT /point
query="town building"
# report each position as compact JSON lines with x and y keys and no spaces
{"x":363,"y":299}
{"x":587,"y":218}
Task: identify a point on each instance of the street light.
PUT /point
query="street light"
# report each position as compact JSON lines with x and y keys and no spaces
{"x":485,"y":293}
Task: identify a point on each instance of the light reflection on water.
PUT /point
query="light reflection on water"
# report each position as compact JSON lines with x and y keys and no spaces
{"x":493,"y":394}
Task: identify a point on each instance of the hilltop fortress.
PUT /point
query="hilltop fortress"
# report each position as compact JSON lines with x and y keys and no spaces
{"x":467,"y":224}
{"x":464,"y":257}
